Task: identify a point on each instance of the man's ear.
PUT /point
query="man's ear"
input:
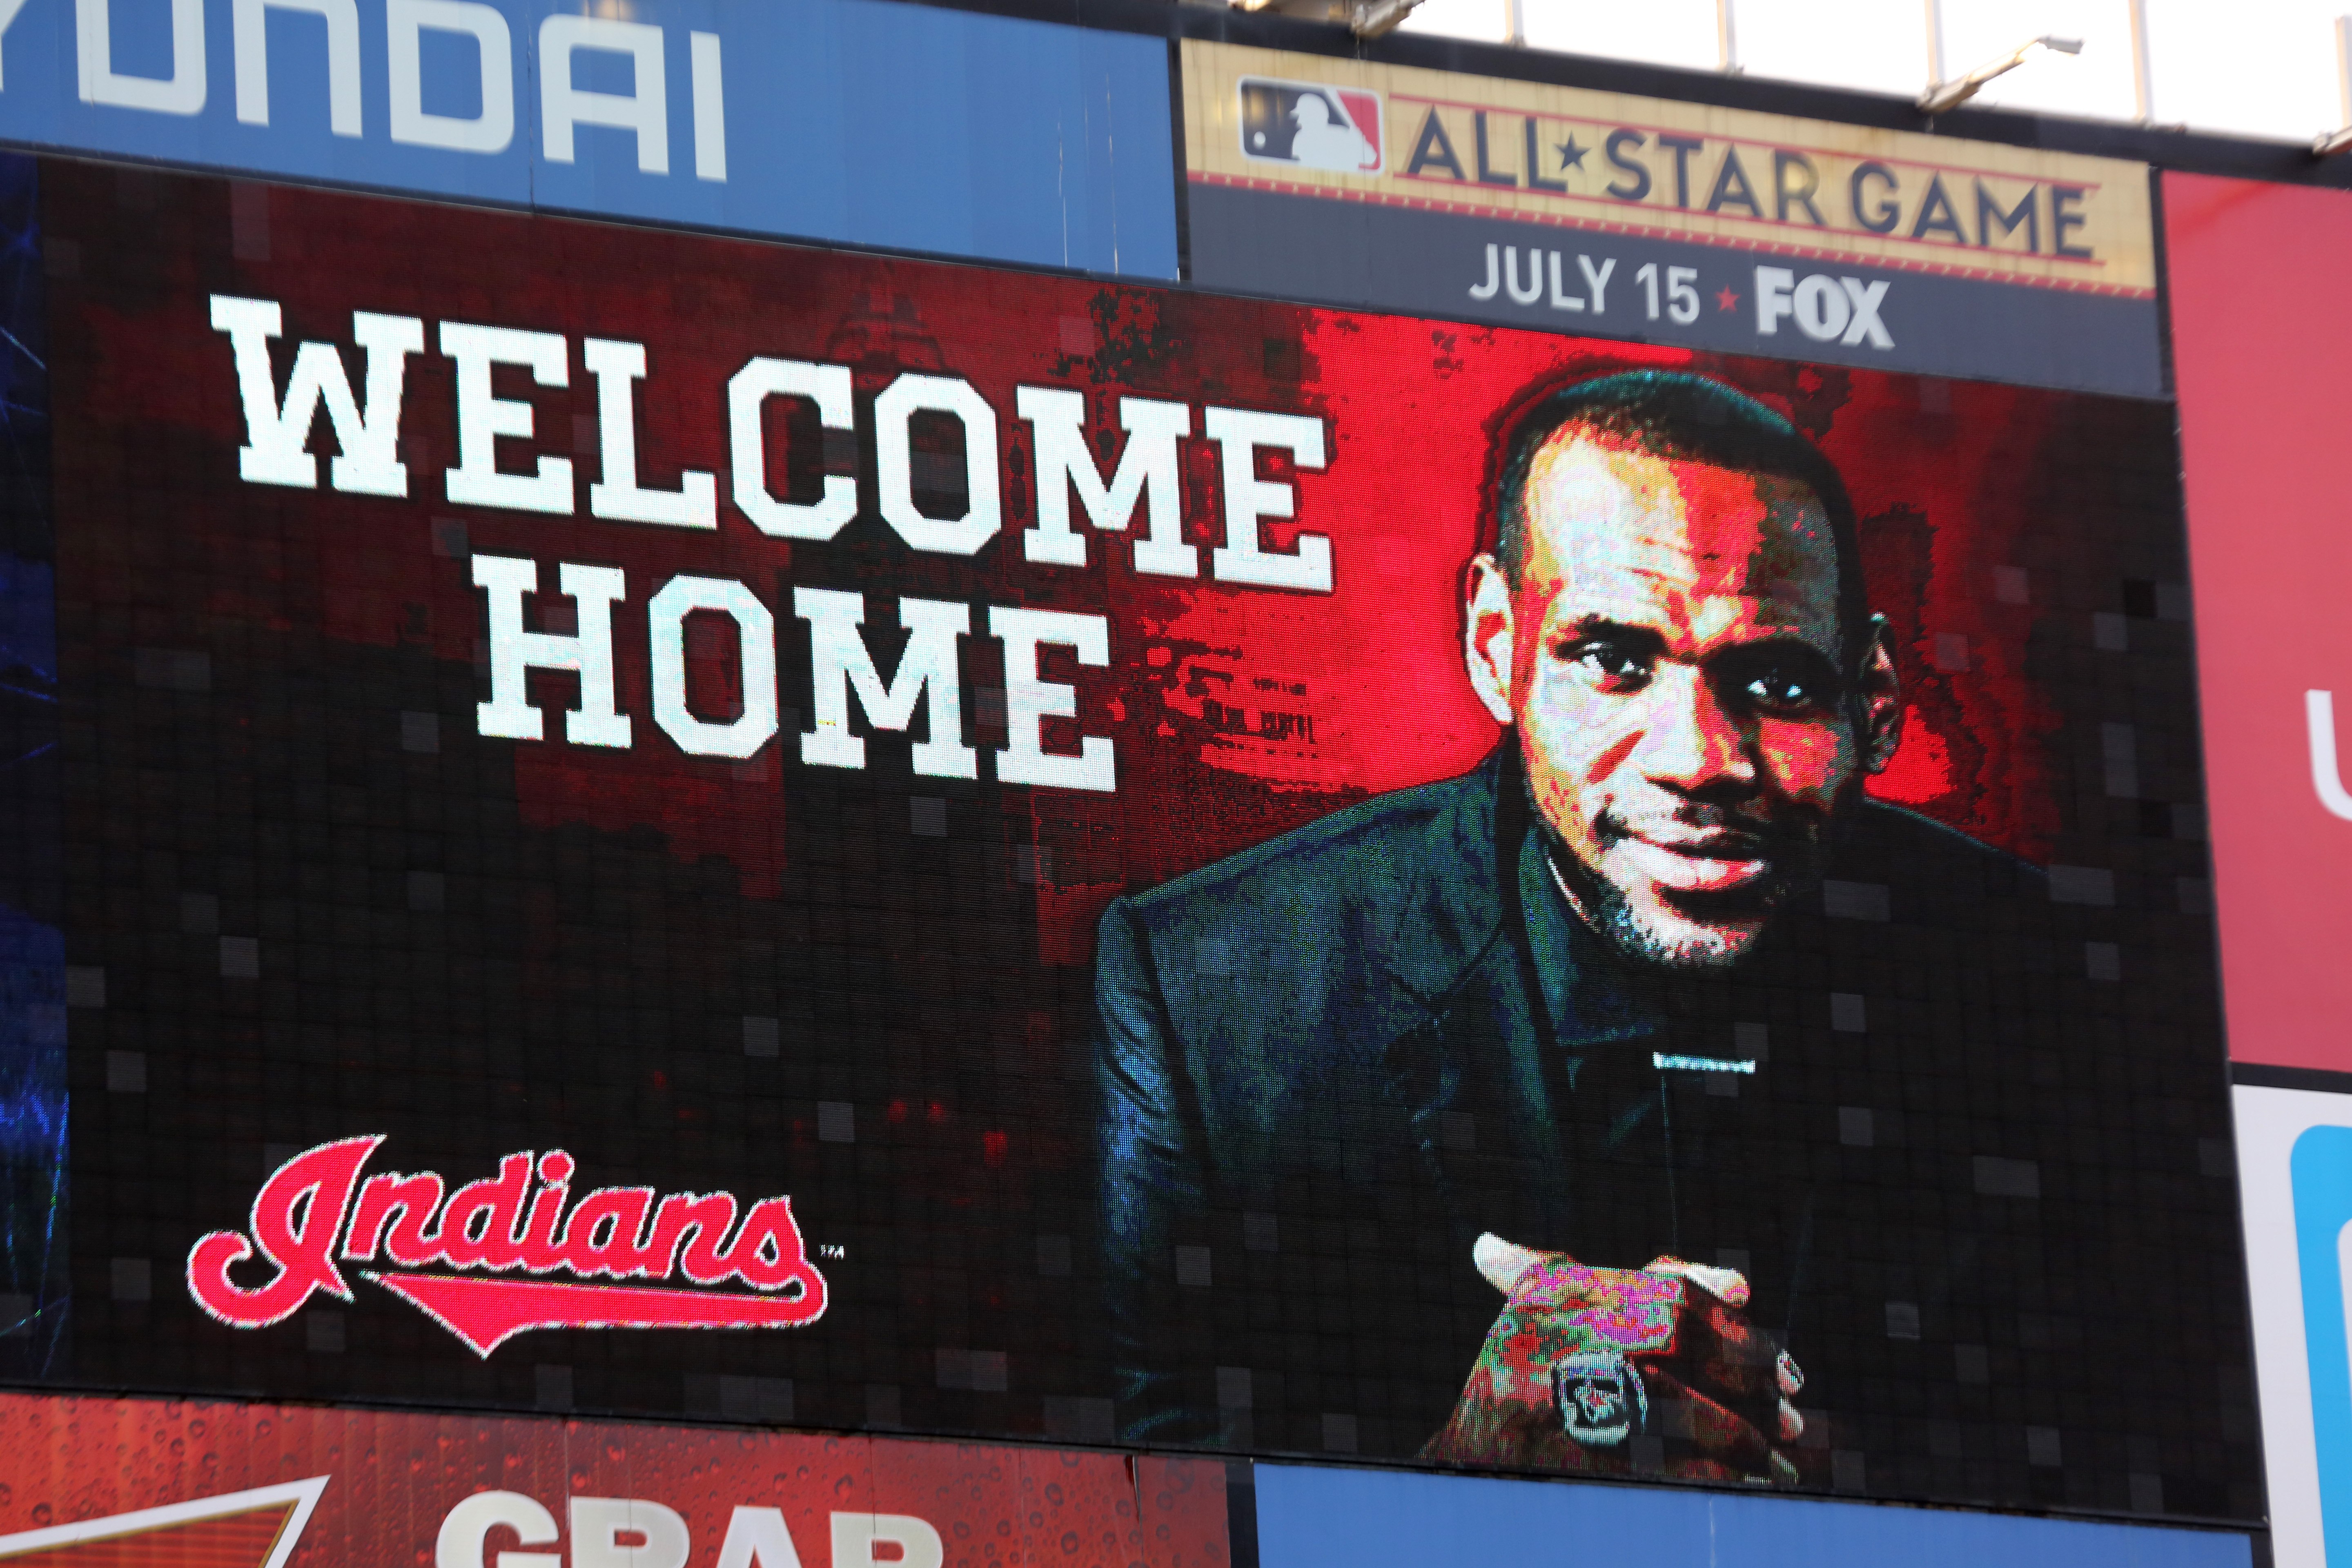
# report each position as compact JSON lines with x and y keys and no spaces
{"x":1878,"y":702}
{"x":1486,"y":635}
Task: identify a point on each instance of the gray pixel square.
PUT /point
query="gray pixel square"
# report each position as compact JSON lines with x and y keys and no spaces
{"x":2000,"y":1178}
{"x":1233,"y":1388}
{"x":760,"y":1037}
{"x":836,"y":1122}
{"x":2082,"y":885}
{"x":1079,"y":1419}
{"x":1856,"y":900}
{"x":130,"y":1278}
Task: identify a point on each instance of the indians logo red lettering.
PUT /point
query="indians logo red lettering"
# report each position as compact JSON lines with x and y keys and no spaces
{"x":520,"y":1222}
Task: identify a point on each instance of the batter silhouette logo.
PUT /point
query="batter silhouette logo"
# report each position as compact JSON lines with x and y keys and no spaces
{"x":1310,"y":126}
{"x":478,"y":1261}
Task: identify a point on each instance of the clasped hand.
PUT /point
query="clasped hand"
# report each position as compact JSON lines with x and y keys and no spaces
{"x":1583,"y":1360}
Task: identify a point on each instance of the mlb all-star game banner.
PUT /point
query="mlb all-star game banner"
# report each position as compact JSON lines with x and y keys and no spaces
{"x":861,"y":121}
{"x":970,"y":851}
{"x":1577,"y":211}
{"x":260,"y":1486}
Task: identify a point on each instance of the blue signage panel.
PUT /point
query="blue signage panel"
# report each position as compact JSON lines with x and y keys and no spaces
{"x":2322,"y":1171}
{"x":861,"y":121}
{"x":1370,"y":1519}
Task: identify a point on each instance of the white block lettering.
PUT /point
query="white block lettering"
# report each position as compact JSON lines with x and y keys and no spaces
{"x":466,"y":1531}
{"x":1866,"y":298}
{"x":644,"y":110}
{"x":709,"y":109}
{"x":492,"y":130}
{"x":482,"y":418}
{"x":2326,"y":773}
{"x":182,"y":93}
{"x":514,"y":651}
{"x":755,"y":633}
{"x":599,"y":1522}
{"x":1147,"y":471}
{"x":757,"y":1538}
{"x":1030,"y":701}
{"x":894,"y":475}
{"x":1775,"y":290}
{"x":274,"y":454}
{"x":840,"y":659}
{"x":856,"y":1536}
{"x":618,"y":367}
{"x":827,"y":385}
{"x":1597,"y":281}
{"x":250,"y":24}
{"x":1244,"y":558}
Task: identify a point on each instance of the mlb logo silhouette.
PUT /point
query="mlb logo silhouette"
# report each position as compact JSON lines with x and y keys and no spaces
{"x":1311,"y":127}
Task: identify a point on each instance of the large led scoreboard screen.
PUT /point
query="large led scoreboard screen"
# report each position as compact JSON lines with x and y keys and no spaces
{"x":667,"y":825}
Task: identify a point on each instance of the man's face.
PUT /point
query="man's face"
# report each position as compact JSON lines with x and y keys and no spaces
{"x":1672,"y":658}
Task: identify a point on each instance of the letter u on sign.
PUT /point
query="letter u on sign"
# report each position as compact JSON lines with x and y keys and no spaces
{"x":2327,"y":777}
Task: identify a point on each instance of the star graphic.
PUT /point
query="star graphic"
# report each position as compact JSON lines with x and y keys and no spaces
{"x":1571,"y":156}
{"x":1727,"y":300}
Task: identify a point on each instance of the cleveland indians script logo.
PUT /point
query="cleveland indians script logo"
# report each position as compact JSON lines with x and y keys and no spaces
{"x":520,"y":1222}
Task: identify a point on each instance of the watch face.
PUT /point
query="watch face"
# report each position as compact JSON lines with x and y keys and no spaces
{"x":1602,"y":1401}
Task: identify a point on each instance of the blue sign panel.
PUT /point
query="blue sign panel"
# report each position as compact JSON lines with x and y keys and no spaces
{"x":1372,"y":1519}
{"x":2321,"y":1172}
{"x":862,"y":122}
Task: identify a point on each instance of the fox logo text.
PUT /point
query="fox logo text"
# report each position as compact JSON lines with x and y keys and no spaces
{"x":464,"y":1257}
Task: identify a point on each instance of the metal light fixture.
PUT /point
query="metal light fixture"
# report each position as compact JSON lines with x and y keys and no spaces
{"x":1947,"y":95}
{"x":1365,"y":18}
{"x":2337,"y":142}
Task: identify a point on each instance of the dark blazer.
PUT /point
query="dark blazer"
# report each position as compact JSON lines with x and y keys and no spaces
{"x":1329,"y":1062}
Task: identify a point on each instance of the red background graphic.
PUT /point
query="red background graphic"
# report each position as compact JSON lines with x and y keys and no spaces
{"x":2259,"y":316}
{"x":1237,"y":712}
{"x":396,"y":1477}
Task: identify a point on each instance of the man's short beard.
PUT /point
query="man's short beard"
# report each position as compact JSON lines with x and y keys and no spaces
{"x":1691,"y":947}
